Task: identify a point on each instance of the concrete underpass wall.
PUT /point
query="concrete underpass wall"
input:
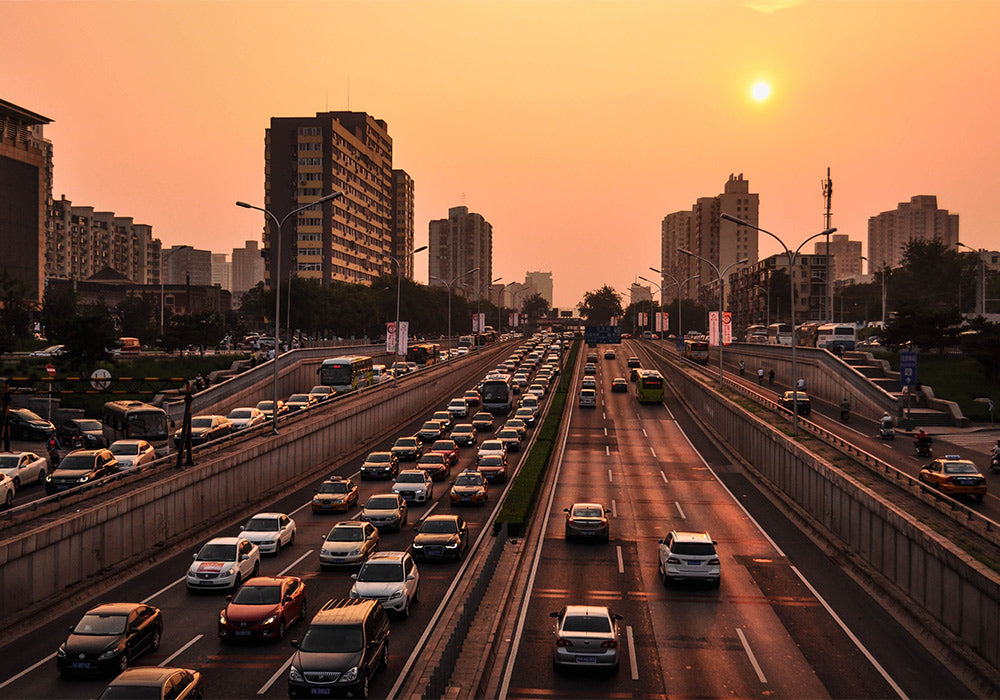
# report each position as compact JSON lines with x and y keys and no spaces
{"x":127,"y":527}
{"x":956,"y":590}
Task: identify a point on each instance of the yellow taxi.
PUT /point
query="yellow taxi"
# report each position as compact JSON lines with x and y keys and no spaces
{"x":469,"y":487}
{"x":955,"y":477}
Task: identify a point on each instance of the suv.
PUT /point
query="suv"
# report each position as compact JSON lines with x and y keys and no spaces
{"x":80,"y":467}
{"x":346,"y":643}
{"x":390,"y":578}
{"x":689,"y":555}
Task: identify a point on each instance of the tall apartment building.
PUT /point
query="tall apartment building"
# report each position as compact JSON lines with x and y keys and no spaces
{"x":402,"y":221}
{"x":222,"y":271}
{"x":187,"y":265}
{"x":247,"y":267}
{"x":25,"y":196}
{"x":541,"y":282}
{"x":754,"y":299}
{"x":82,"y":242}
{"x":639,"y":293}
{"x":891,"y":231}
{"x":703,"y":232}
{"x":845,"y":256}
{"x":349,"y":238}
{"x":462,"y":242}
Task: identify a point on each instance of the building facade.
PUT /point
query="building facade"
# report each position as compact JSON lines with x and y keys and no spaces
{"x":458,"y":244}
{"x":541,"y":282}
{"x":891,"y":231}
{"x":25,"y":196}
{"x":183,"y":264}
{"x":222,"y":271}
{"x":845,"y":256}
{"x":402,"y":221}
{"x":756,"y":295}
{"x":247,"y":269}
{"x":639,"y":293}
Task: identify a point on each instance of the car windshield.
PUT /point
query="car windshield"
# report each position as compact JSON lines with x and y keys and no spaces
{"x":258,"y":595}
{"x":382,"y":503}
{"x":508,"y":433}
{"x":469,"y":480}
{"x":410,"y":479}
{"x":440,"y":526}
{"x":378,"y":457}
{"x":240,"y":413}
{"x":299,"y":398}
{"x":128,"y":448}
{"x":524,"y":412}
{"x":381,"y":572}
{"x":432,"y":459}
{"x":131,"y":692}
{"x":484,"y":417}
{"x":491,"y":461}
{"x":442,"y":445}
{"x":88,"y":425}
{"x":694,"y":549}
{"x":262,"y":525}
{"x":217,"y":552}
{"x":338,"y":639}
{"x":101,"y":624}
{"x":345,"y":534}
{"x":334,"y":487}
{"x":406,"y":442}
{"x":463,"y":428}
{"x":588,"y":512}
{"x":586,"y":623}
{"x":77,"y":462}
{"x":492,"y":446}
{"x":959,"y":468}
{"x":432,"y":425}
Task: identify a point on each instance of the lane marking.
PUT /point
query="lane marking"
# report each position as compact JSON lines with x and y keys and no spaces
{"x":165,"y":588}
{"x":621,"y":563}
{"x":28,"y":670}
{"x":631,"y":652}
{"x":277,"y":674}
{"x":664,"y":477}
{"x":604,"y":415}
{"x":753,"y":659}
{"x":607,"y":450}
{"x":644,"y":433}
{"x":179,"y":651}
{"x":605,"y":431}
{"x":287,"y":568}
{"x":654,"y":452}
{"x":428,"y":511}
{"x":614,"y":509}
{"x":680,"y":510}
{"x":307,"y":503}
{"x":355,"y":475}
{"x":609,"y":476}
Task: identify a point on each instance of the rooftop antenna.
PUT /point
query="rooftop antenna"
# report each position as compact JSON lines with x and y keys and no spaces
{"x":828,"y":218}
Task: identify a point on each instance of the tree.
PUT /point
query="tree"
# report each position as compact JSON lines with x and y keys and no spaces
{"x":88,"y":335}
{"x":15,"y":313}
{"x":59,"y":308}
{"x":599,"y":306}
{"x":138,"y":316}
{"x":535,"y":306}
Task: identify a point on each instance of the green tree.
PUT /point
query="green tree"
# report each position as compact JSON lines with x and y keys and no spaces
{"x":15,"y":312}
{"x":59,"y":308}
{"x":88,"y":335}
{"x":599,"y":306}
{"x":139,"y":317}
{"x":535,"y":306}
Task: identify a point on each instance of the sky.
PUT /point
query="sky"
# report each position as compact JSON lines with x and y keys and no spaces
{"x":572,"y":126}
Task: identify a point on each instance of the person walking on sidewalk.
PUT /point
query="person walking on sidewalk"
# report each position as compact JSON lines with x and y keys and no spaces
{"x":760,"y":376}
{"x":742,"y":366}
{"x":770,"y":376}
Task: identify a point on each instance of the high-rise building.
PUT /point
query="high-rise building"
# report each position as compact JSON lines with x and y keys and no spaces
{"x":845,"y":259}
{"x":754,"y":299}
{"x":458,"y":244}
{"x":222,"y":271}
{"x":702,"y":231}
{"x":348,"y":238}
{"x":248,"y":269}
{"x":542,"y":284}
{"x":402,"y":221}
{"x":25,"y":196}
{"x":639,"y":293}
{"x":891,"y":231}
{"x":187,"y":265}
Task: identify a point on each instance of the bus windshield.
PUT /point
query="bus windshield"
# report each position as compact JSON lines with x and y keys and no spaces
{"x":146,"y":424}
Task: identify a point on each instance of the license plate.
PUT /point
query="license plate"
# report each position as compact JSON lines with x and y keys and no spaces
{"x":79,"y":664}
{"x":586,"y":532}
{"x":586,"y":659}
{"x":433,"y":553}
{"x":319,"y":691}
{"x":693,"y":563}
{"x":242,"y":633}
{"x":466,"y":498}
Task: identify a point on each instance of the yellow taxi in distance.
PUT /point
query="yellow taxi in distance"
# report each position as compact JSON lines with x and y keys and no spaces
{"x":469,"y":487}
{"x":955,"y":477}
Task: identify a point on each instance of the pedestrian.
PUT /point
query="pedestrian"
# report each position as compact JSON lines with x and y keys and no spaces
{"x":742,"y":367}
{"x":253,"y":360}
{"x":800,"y":384}
{"x":760,"y":375}
{"x":770,"y":376}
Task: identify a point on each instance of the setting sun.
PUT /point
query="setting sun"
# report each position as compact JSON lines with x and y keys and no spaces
{"x":761,"y":91}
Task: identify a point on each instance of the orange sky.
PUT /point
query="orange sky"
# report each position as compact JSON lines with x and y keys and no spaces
{"x":572,"y":126}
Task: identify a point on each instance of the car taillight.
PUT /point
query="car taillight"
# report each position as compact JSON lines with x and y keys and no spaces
{"x":673,"y":560}
{"x":560,"y":642}
{"x":610,"y":644}
{"x":572,"y":521}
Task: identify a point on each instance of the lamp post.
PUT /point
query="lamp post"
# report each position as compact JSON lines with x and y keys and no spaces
{"x":449,"y":284}
{"x":162,"y":259}
{"x":791,"y":276}
{"x":399,"y":280}
{"x":680,"y":332}
{"x":480,"y":299}
{"x":885,"y":271}
{"x":276,"y":278}
{"x":981,"y":287}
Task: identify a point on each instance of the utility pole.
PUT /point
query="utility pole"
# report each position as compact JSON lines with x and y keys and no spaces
{"x":827,"y":224}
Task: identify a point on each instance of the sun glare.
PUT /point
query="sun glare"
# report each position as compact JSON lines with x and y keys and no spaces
{"x":761,"y":91}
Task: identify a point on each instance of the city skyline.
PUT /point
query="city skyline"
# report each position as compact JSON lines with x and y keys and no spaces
{"x":603,"y":127}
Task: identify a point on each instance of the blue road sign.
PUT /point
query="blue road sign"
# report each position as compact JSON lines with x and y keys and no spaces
{"x":907,"y":367}
{"x":602,"y":334}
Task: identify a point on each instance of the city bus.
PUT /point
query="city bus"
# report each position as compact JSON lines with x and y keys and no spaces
{"x":496,"y":394}
{"x":135,"y":420}
{"x":836,"y":335}
{"x":806,"y":334}
{"x":757,"y":334}
{"x":649,"y":386}
{"x":696,"y":350}
{"x":347,"y":373}
{"x":423,"y":354}
{"x":779,"y":334}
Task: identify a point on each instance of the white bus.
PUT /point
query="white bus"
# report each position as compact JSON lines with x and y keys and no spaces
{"x":757,"y":334}
{"x":779,"y":334}
{"x":836,"y":335}
{"x":497,"y":395}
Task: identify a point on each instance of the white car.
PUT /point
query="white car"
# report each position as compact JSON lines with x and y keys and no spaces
{"x":223,"y":562}
{"x":530,"y":401}
{"x":50,"y":351}
{"x":269,"y":531}
{"x":23,"y":468}
{"x":414,"y":485}
{"x":132,"y":453}
{"x":689,"y":556}
{"x":6,"y":491}
{"x":588,"y":398}
{"x":588,"y":383}
{"x":459,"y":407}
{"x":390,"y":578}
{"x":492,"y":447}
{"x":349,"y":542}
{"x":246,"y":417}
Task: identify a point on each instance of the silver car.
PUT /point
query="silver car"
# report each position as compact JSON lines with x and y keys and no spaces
{"x":132,"y":453}
{"x":349,"y":542}
{"x":586,"y":635}
{"x":689,"y":556}
{"x":385,"y":510}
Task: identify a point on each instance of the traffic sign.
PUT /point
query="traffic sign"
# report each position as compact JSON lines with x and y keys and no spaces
{"x":907,"y":367}
{"x":100,"y":379}
{"x":602,"y":334}
{"x":51,"y":369}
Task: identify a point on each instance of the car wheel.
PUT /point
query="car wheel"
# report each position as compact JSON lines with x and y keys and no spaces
{"x":363,"y":690}
{"x":385,"y":655}
{"x":17,"y":484}
{"x":302,"y":611}
{"x":717,"y":582}
{"x":9,"y":500}
{"x":405,"y":612}
{"x":277,"y":547}
{"x":155,"y":643}
{"x":237,"y":582}
{"x":122,"y":662}
{"x":41,"y":476}
{"x":291,"y":540}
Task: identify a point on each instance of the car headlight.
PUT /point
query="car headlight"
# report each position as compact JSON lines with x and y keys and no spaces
{"x":109,"y":654}
{"x":451,"y":546}
{"x":356,"y":551}
{"x":395,"y":595}
{"x":48,"y":477}
{"x":83,"y":479}
{"x":222,"y":617}
{"x":350,"y":675}
{"x":230,"y":571}
{"x":61,"y":652}
{"x":269,"y":620}
{"x":417,"y":546}
{"x":295,"y":675}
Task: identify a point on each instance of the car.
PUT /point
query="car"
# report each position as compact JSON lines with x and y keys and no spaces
{"x":80,"y":467}
{"x":531,"y":401}
{"x":346,"y":643}
{"x":205,"y":429}
{"x":590,"y":368}
{"x":588,"y":383}
{"x":7,"y":491}
{"x":414,"y":485}
{"x":591,"y":357}
{"x":435,"y":464}
{"x":155,"y":682}
{"x":491,"y":447}
{"x":459,"y":407}
{"x":472,"y":397}
{"x":464,"y":351}
{"x":619,"y":385}
{"x":609,"y":354}
{"x":132,"y":454}
{"x":444,"y":418}
{"x":510,"y":438}
{"x":349,"y":542}
{"x":633,"y":363}
{"x":223,"y":562}
{"x":400,"y":368}
{"x":246,"y":417}
{"x":334,"y":495}
{"x":269,"y":531}
{"x":689,"y":556}
{"x":50,"y":351}
{"x":391,"y":578}
{"x":441,"y":537}
{"x":586,"y":636}
{"x":263,"y":608}
{"x":527,"y":415}
{"x":296,"y":402}
{"x":322,"y":393}
{"x":385,"y":510}
{"x":430,"y":431}
{"x":28,"y":425}
{"x":23,"y":468}
{"x":537,"y":389}
{"x":407,"y":449}
{"x":483,"y":421}
{"x":955,"y":476}
{"x":82,"y":432}
{"x":464,"y":434}
{"x":519,"y":425}
{"x":469,"y":487}
{"x":587,"y":521}
{"x":633,"y":375}
{"x":380,"y":465}
{"x":788,"y":397}
{"x":109,"y":637}
{"x":267,"y":408}
{"x":588,"y":398}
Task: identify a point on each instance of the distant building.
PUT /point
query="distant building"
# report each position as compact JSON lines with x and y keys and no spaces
{"x":754,"y":299}
{"x":541,"y":282}
{"x":187,"y":265}
{"x":458,"y":244}
{"x":845,"y":255}
{"x":639,"y":293}
{"x":222,"y":271}
{"x":402,"y":221}
{"x":110,"y":287}
{"x":891,"y":231}
{"x":25,"y":196}
{"x":247,"y":269}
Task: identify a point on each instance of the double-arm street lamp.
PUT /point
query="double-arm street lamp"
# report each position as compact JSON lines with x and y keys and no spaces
{"x":680,"y":286}
{"x":276,"y":279}
{"x":399,"y":280}
{"x":791,"y":276}
{"x":162,"y":260}
{"x":448,"y":285}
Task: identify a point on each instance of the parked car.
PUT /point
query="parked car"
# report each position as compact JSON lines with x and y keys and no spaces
{"x":348,"y":543}
{"x":82,"y":432}
{"x":269,"y":531}
{"x":132,"y":454}
{"x":155,"y":682}
{"x":28,"y":425}
{"x":263,"y":608}
{"x":80,"y":467}
{"x":390,"y":578}
{"x":110,"y":637}
{"x":586,"y":636}
{"x":23,"y":468}
{"x":223,"y":562}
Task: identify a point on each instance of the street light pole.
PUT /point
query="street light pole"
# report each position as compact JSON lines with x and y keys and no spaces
{"x":399,"y":281}
{"x":448,"y":285}
{"x":680,"y":331}
{"x":162,"y":260}
{"x":276,"y":278}
{"x":791,"y":276}
{"x":981,"y":287}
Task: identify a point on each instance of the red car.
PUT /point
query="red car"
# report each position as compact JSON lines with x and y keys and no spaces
{"x":449,"y":448}
{"x":263,"y":608}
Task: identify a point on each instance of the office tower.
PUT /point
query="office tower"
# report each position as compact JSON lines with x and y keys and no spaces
{"x":247,"y":267}
{"x":541,"y":282}
{"x":891,"y":231}
{"x":458,"y":244}
{"x":639,"y":293}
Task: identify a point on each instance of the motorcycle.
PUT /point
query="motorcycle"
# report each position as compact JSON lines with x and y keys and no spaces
{"x":922,"y":446}
{"x":886,"y":432}
{"x":995,"y":464}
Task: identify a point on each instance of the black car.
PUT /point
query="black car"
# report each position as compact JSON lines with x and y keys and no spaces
{"x":464,"y":434}
{"x":430,"y":431}
{"x":800,"y":397}
{"x":407,"y":449}
{"x":110,"y":637}
{"x":28,"y":425}
{"x":80,"y":467}
{"x":82,"y":432}
{"x":441,"y":537}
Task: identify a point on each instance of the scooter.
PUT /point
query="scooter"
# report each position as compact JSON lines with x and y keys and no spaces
{"x":886,"y":432}
{"x":922,"y":447}
{"x":995,"y":464}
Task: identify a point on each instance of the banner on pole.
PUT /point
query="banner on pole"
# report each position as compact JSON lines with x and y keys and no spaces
{"x":404,"y":333}
{"x":727,"y":327}
{"x":713,"y":327}
{"x":390,"y":338}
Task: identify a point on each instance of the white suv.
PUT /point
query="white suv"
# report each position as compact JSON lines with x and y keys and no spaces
{"x":458,"y":407}
{"x":414,"y":485}
{"x":391,"y":578}
{"x":224,"y":562}
{"x":689,"y":556}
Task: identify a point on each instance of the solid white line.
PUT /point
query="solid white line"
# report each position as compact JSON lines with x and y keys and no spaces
{"x":165,"y":588}
{"x":614,"y":509}
{"x":621,"y":563}
{"x":753,"y":659}
{"x":607,"y":450}
{"x":680,"y":510}
{"x":664,"y":476}
{"x":28,"y":670}
{"x":179,"y":651}
{"x":609,"y":476}
{"x":289,"y":567}
{"x":644,"y":433}
{"x":428,"y":511}
{"x":277,"y":674}
{"x":631,"y":652}
{"x":653,"y":451}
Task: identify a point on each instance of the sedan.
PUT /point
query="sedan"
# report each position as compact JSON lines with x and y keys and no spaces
{"x":588,"y":383}
{"x":469,"y":487}
{"x":223,"y":562}
{"x":464,"y":434}
{"x":407,"y":448}
{"x":80,"y":467}
{"x":155,"y":682}
{"x":322,"y":393}
{"x":519,"y":425}
{"x":380,"y":465}
{"x":385,"y":510}
{"x":28,"y":425}
{"x":458,"y":407}
{"x":267,"y":408}
{"x":7,"y":490}
{"x":349,"y":542}
{"x":482,"y":421}
{"x":526,"y":414}
{"x":23,"y":468}
{"x":205,"y":429}
{"x":510,"y":438}
{"x":50,"y":351}
{"x":587,"y":521}
{"x":109,"y":637}
{"x":444,"y":418}
{"x":132,"y":454}
{"x":955,"y":476}
{"x":82,"y":432}
{"x":441,"y":537}
{"x":537,"y":389}
{"x":586,"y":636}
{"x":448,"y":448}
{"x":491,"y":447}
{"x":262,"y":608}
{"x":590,"y":368}
{"x":246,"y":417}
{"x":800,"y":397}
{"x":414,"y":485}
{"x":336,"y":494}
{"x":430,"y":431}
{"x":435,"y":464}
{"x":619,"y":385}
{"x":296,"y":402}
{"x":269,"y":531}
{"x":472,"y":397}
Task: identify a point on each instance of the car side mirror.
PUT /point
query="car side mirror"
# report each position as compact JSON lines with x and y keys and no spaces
{"x":242,"y":528}
{"x":354,"y":577}
{"x":244,"y":557}
{"x":411,"y":577}
{"x":618,"y":617}
{"x":714,"y":542}
{"x":69,"y":627}
{"x":295,"y":644}
{"x":660,"y":542}
{"x":565,"y":510}
{"x":229,"y":597}
{"x":195,"y":555}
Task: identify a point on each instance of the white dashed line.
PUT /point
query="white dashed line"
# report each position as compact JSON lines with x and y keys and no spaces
{"x":292,"y":565}
{"x":644,"y":433}
{"x":180,"y":651}
{"x":621,"y":564}
{"x":428,"y":511}
{"x":607,"y":450}
{"x":605,"y":431}
{"x":753,"y":659}
{"x":631,"y":652}
{"x":277,"y":674}
{"x":680,"y":510}
{"x":664,"y":477}
{"x":609,"y":475}
{"x":614,"y":509}
{"x":653,"y":451}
